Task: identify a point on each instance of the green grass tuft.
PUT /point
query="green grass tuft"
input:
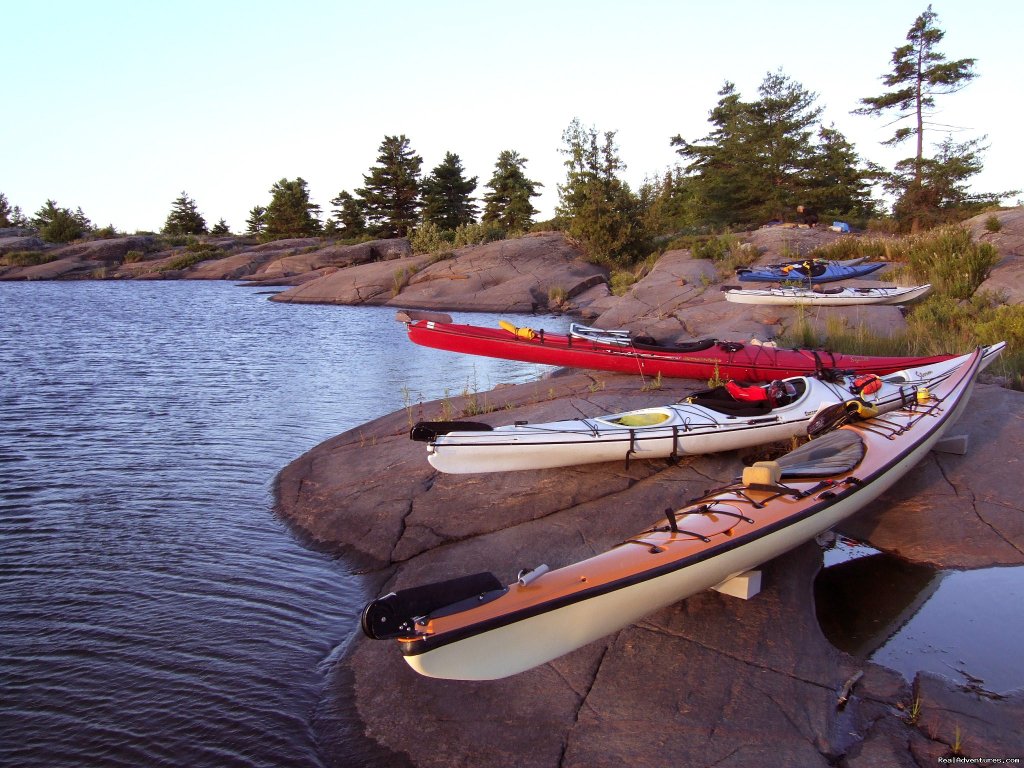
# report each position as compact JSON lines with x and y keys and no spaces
{"x":26,"y":258}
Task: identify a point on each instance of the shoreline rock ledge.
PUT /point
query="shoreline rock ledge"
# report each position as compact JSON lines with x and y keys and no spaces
{"x":537,"y":272}
{"x":711,"y":680}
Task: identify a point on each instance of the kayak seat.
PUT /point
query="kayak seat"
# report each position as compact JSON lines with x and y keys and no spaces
{"x":428,"y":431}
{"x":723,"y":400}
{"x":746,"y":393}
{"x":394,"y":614}
{"x":778,"y":393}
{"x":794,"y":391}
{"x":816,"y":268}
{"x":832,"y":454}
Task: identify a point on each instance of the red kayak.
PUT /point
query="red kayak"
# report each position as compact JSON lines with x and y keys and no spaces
{"x":617,"y":351}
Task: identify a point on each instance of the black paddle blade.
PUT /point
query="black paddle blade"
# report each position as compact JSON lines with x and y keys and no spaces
{"x":427,"y":431}
{"x":394,"y":614}
{"x":829,"y":419}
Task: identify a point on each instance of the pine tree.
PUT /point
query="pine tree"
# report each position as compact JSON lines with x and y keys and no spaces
{"x":447,"y":195}
{"x":919,"y":74}
{"x":220,"y":228}
{"x":6,"y":212}
{"x":60,"y":225}
{"x":761,"y":161}
{"x":942,"y":195}
{"x":668,"y":203}
{"x":257,"y":221}
{"x":83,"y":220}
{"x":11,"y":216}
{"x":785,"y":118}
{"x":290,"y":213}
{"x":348,"y":220}
{"x":184,"y":218}
{"x":508,"y":203}
{"x":717,"y":163}
{"x":46,"y":214}
{"x":599,"y":209}
{"x":839,"y":184}
{"x":391,"y":195}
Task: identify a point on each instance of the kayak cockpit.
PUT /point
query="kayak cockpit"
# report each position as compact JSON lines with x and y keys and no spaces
{"x":649,"y":418}
{"x":737,"y":400}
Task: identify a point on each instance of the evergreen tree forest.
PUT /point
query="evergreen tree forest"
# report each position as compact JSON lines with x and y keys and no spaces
{"x":10,"y":215}
{"x":595,"y":205}
{"x":762,"y":156}
{"x":348,"y":217}
{"x":765,"y":157}
{"x":56,"y":224}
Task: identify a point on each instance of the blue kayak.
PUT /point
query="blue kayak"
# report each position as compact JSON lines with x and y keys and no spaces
{"x":807,"y":272}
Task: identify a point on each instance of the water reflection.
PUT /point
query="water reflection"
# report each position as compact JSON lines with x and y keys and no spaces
{"x":866,"y":600}
{"x":909,"y":617}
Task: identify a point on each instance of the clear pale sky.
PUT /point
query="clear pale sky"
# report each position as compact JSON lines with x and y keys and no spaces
{"x":118,"y":107}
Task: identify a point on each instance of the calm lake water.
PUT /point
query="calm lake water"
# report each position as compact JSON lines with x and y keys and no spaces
{"x":153,"y":610}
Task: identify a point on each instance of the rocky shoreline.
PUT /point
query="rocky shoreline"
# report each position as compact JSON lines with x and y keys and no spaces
{"x":711,"y":680}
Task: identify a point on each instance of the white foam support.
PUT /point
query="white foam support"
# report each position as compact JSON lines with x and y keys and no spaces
{"x":762,"y":473}
{"x":744,"y":586}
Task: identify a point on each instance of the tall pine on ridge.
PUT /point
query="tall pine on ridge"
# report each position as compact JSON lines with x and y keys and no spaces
{"x":508,"y":202}
{"x":447,"y":195}
{"x":919,"y":74}
{"x":598,"y":207}
{"x":290,"y":213}
{"x":184,"y":218}
{"x":391,"y":195}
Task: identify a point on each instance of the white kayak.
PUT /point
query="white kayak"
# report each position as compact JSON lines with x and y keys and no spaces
{"x":826,"y":297}
{"x":479,"y":627}
{"x":707,"y":422}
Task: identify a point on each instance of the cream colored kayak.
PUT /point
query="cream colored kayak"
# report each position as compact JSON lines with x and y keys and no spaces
{"x":476,"y":628}
{"x":826,"y":297}
{"x":707,"y":422}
